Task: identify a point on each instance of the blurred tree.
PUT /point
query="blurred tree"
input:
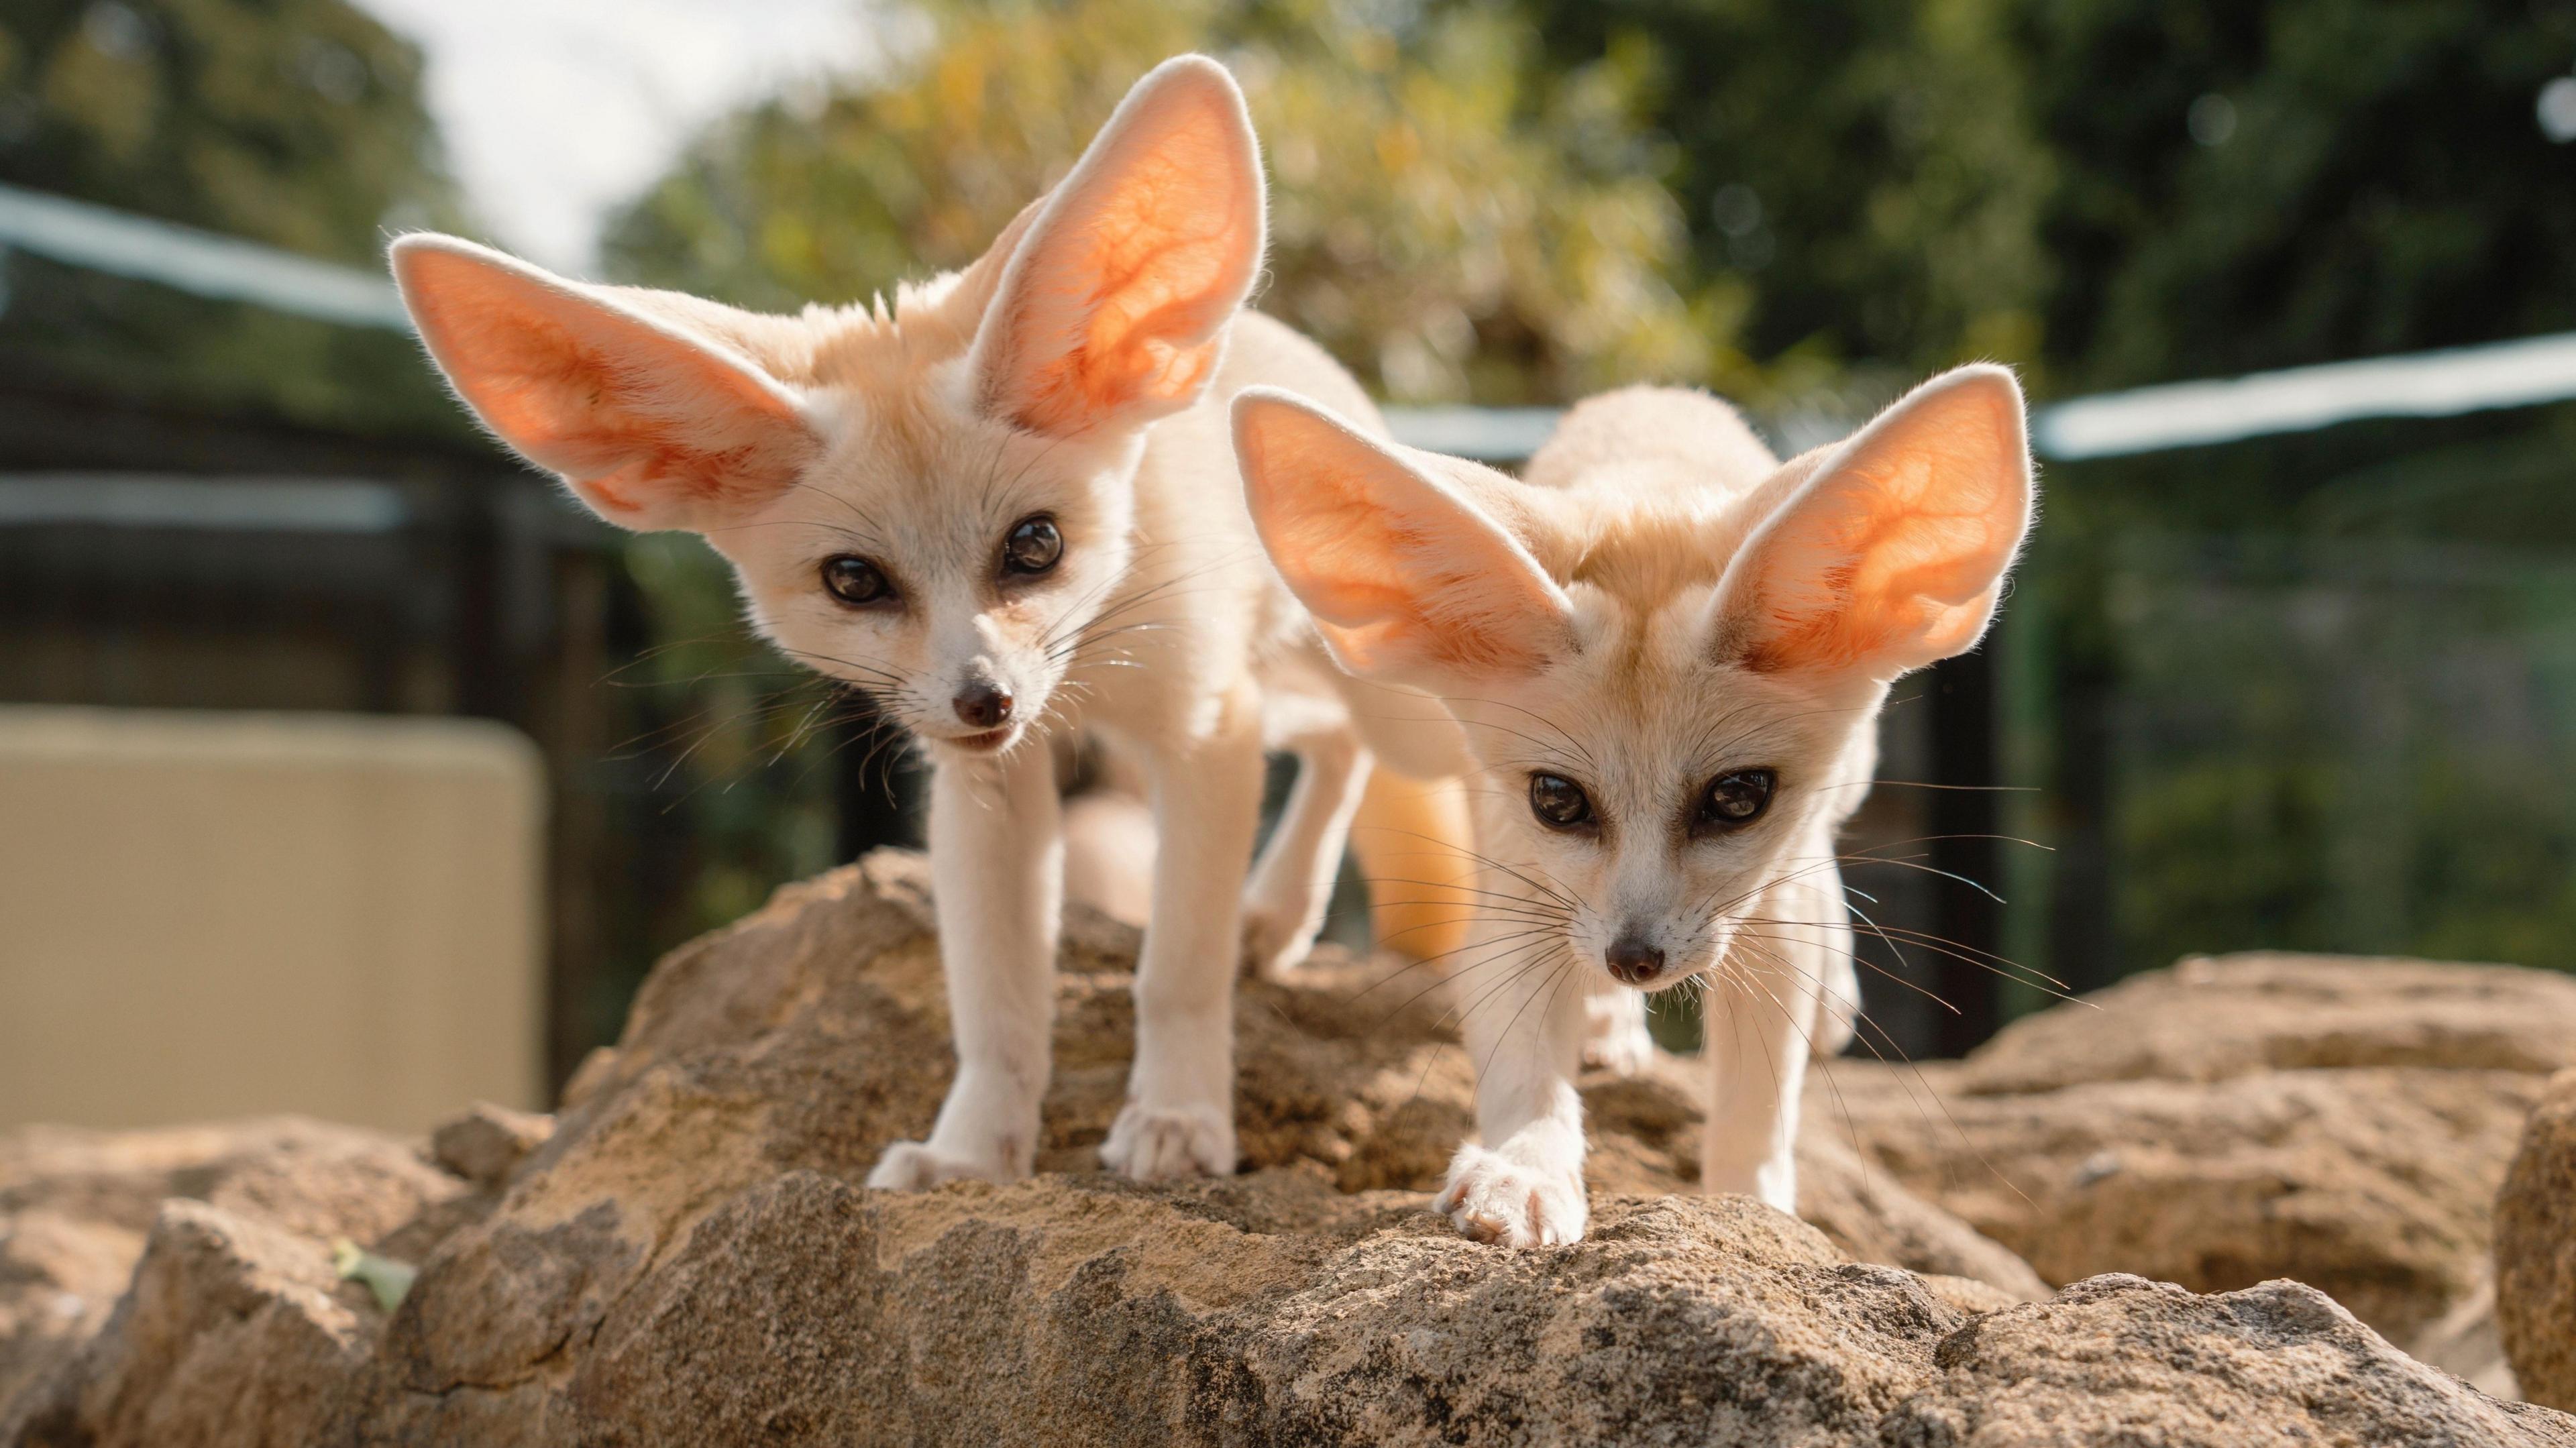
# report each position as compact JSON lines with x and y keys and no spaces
{"x":2249,"y":186}
{"x":293,"y":122}
{"x":2254,"y":186}
{"x":1862,"y":174}
{"x":1447,"y":229}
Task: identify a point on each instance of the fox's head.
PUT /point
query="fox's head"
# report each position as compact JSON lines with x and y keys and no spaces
{"x":932,"y":501}
{"x":1669,"y":665}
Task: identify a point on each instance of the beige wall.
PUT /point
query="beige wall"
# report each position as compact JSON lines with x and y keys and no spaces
{"x":215,"y":914}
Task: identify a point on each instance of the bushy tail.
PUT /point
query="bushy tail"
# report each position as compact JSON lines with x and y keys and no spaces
{"x":1413,"y":840}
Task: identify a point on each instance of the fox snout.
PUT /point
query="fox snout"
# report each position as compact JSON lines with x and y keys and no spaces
{"x":982,"y":704}
{"x":986,"y":700}
{"x":1631,"y":960}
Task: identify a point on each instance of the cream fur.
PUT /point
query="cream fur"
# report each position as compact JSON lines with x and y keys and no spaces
{"x":1661,"y":603}
{"x":1081,"y":370}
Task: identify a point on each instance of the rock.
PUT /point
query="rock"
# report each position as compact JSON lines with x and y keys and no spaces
{"x":2467,"y":1342}
{"x":762,"y":1048}
{"x":308,"y":1177}
{"x":1645,"y":1138}
{"x":2371,"y":1184}
{"x":689,"y":1258}
{"x":76,"y":1207}
{"x":486,"y":1143}
{"x":1864,"y":1211}
{"x":59,"y":1275}
{"x":2535,"y":1250}
{"x":803,"y":1309}
{"x":2119,"y":1359}
{"x":2213,"y":1018}
{"x":230,"y":1333}
{"x":2341,"y":1122}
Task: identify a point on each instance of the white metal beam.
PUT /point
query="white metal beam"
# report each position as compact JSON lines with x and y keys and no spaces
{"x":2519,"y":373}
{"x":100,"y":238}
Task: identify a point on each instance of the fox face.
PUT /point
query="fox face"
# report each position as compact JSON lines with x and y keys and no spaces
{"x":953,"y":576}
{"x":933,"y":501}
{"x":1652,"y":795}
{"x":1669,"y":665}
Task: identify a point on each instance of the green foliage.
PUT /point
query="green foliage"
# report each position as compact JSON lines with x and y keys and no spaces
{"x":1449,"y":229}
{"x":1863,"y":174}
{"x":293,"y":122}
{"x":2365,"y":178}
{"x":2355,"y":744}
{"x":2251,"y":186}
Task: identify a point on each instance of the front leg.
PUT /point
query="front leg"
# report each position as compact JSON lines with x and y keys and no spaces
{"x":1525,"y":1021}
{"x":1292,"y":885}
{"x":997,"y":871}
{"x":1179,"y":1116}
{"x":1763,"y":1009}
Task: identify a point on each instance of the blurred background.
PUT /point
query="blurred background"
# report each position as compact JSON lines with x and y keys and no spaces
{"x":345,"y":767}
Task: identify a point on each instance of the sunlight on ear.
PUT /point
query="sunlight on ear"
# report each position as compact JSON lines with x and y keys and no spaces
{"x":1401,"y":574}
{"x":1893,"y":555}
{"x":651,"y":427}
{"x":1114,"y":312}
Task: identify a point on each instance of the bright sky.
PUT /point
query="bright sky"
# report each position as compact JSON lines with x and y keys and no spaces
{"x":557,"y":110}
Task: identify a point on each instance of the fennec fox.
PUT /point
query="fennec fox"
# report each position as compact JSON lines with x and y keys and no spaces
{"x":1007,"y":508}
{"x":1668,"y":651}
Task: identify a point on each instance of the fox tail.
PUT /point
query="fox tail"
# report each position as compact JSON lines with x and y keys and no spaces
{"x":1414,"y":840}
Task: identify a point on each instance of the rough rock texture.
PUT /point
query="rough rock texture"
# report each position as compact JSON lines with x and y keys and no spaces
{"x":2216,"y":1018}
{"x":77,"y":1206}
{"x":488,"y":1142}
{"x":232,"y":1332}
{"x":687,"y":1258}
{"x":2535,"y":1249}
{"x":2344,"y":1122}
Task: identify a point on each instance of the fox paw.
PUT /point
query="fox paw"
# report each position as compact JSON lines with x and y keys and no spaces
{"x":1494,"y":1199}
{"x":1274,"y":945}
{"x":912,"y":1165}
{"x":1153,"y":1145}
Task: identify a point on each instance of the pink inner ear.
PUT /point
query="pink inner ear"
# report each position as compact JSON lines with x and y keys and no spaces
{"x":1157,"y":295}
{"x":647,"y":425}
{"x":1121,"y":308}
{"x":1397,"y":574}
{"x":1897,"y":560}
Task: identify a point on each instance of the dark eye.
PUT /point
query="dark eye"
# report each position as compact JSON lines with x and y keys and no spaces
{"x":1559,"y":802}
{"x":1033,"y":546}
{"x":1737,"y":798}
{"x":854,"y":580}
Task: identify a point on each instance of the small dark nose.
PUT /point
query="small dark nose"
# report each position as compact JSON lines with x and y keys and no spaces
{"x":1632,"y":960}
{"x":983,"y":706}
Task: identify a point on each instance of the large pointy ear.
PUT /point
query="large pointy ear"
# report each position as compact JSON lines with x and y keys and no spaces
{"x":1114,"y":308}
{"x":1891,"y":554}
{"x":1408,"y":580}
{"x":654,"y":427}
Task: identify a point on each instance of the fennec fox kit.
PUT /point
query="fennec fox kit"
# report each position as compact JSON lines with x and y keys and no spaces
{"x":1668,"y":651}
{"x":1007,"y":508}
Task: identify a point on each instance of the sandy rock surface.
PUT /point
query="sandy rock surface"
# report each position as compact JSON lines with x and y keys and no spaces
{"x":2212,"y":1018}
{"x":2375,"y":1185}
{"x":684,"y":1255}
{"x":2342,"y":1121}
{"x":2535,"y":1249}
{"x":76,"y":1208}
